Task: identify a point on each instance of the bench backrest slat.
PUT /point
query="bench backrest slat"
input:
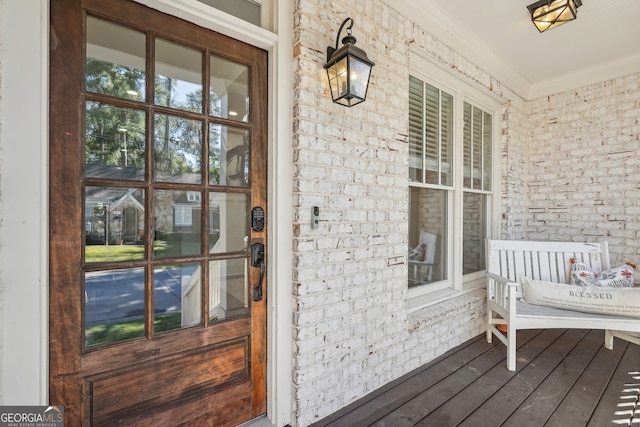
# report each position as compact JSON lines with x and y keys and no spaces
{"x":549,"y":261}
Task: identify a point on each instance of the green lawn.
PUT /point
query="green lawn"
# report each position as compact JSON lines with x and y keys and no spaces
{"x":114,"y":332}
{"x":111,"y":253}
{"x":103,"y":253}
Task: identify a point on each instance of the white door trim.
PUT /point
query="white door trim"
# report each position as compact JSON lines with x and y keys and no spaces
{"x":24,"y":207}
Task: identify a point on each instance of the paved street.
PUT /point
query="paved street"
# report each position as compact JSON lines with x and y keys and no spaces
{"x":119,"y":295}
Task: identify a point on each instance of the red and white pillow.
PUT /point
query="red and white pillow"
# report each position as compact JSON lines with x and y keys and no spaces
{"x":619,"y":277}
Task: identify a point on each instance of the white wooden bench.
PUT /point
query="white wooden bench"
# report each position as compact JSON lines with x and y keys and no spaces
{"x":508,"y":260}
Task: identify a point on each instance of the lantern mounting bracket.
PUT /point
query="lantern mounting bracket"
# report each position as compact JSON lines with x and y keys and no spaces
{"x":347,"y":39}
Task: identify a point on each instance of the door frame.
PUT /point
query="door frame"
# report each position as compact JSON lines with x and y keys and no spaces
{"x":280,"y":160}
{"x":27,"y":30}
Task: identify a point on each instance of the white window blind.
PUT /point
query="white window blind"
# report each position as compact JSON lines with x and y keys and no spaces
{"x":430,"y":133}
{"x":477,"y":148}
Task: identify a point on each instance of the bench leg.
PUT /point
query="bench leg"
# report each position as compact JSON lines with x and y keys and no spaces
{"x":489,"y":333}
{"x":608,"y":339}
{"x":511,"y":348}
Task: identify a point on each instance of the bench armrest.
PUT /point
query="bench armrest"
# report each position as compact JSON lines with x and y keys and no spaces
{"x":503,"y":293}
{"x":501,"y":279}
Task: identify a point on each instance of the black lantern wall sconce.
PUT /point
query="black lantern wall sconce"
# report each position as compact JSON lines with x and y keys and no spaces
{"x":548,"y":14}
{"x":348,"y":70}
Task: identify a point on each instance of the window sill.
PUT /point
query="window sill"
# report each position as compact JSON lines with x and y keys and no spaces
{"x":447,"y":306}
{"x":429,"y":295}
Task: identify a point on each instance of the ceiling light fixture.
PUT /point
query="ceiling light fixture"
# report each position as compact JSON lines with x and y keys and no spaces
{"x":548,"y":14}
{"x":348,"y":70}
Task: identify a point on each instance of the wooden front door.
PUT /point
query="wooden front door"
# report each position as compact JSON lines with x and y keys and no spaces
{"x":157,"y":229}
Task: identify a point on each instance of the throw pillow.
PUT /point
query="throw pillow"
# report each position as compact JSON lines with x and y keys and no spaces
{"x":417,"y":253}
{"x":619,"y":277}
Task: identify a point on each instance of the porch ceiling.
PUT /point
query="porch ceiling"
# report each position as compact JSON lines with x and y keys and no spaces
{"x":602,"y":43}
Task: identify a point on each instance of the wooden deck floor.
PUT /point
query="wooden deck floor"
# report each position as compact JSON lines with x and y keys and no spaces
{"x":564,"y":378}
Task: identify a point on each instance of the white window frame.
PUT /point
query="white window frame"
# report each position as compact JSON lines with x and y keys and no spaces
{"x":193,"y":196}
{"x":426,"y":69}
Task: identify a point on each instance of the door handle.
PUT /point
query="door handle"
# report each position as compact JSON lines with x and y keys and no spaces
{"x":257,"y":260}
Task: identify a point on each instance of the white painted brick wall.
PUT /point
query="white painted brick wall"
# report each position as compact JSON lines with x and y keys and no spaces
{"x":583,"y":166}
{"x":350,"y":278}
{"x":352,"y":333}
{"x":570,"y":171}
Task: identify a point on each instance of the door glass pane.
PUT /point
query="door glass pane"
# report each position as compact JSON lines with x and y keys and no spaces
{"x":228,"y":222}
{"x":177,"y":296}
{"x":228,"y":289}
{"x":178,"y":77}
{"x":113,"y":306}
{"x":474,"y":232}
{"x":113,"y":224}
{"x":427,"y":235}
{"x":177,"y":149}
{"x":228,"y":156}
{"x":115,"y":60}
{"x":229,"y":90}
{"x":114,"y":142}
{"x":177,"y":223}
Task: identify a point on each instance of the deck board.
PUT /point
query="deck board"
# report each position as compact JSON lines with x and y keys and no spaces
{"x":623,"y":393}
{"x":579,"y":404}
{"x":544,"y":400}
{"x":510,"y":397}
{"x":563,"y":378}
{"x":414,"y":384}
{"x":479,"y":392}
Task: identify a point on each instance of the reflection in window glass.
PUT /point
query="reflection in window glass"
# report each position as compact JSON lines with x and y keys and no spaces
{"x":178,"y":82}
{"x":427,"y":235}
{"x":113,"y":306}
{"x":228,"y":218}
{"x":229,"y":90}
{"x":113,"y":224}
{"x":228,"y":289}
{"x":228,"y":156}
{"x":115,"y":60}
{"x":177,"y":223}
{"x":114,"y":142}
{"x":474,"y":232}
{"x":177,"y":296}
{"x":177,"y":149}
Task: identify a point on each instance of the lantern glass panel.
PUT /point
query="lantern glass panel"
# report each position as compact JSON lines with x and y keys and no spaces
{"x":337,"y":74}
{"x":359,"y":77}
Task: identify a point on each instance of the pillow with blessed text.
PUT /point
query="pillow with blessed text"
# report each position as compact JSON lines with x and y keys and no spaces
{"x":623,"y":302}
